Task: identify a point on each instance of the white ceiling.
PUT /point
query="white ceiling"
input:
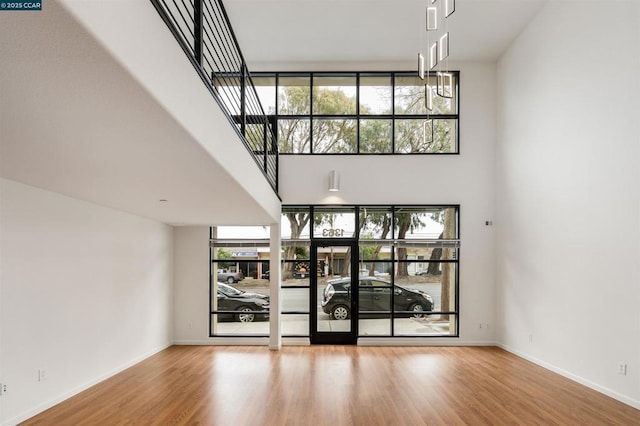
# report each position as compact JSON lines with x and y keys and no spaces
{"x":73,"y":120}
{"x":271,"y":31}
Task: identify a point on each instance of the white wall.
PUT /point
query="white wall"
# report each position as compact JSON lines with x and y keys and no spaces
{"x":466,"y":179}
{"x":86,"y":291}
{"x":568,"y":228}
{"x":191,"y":284}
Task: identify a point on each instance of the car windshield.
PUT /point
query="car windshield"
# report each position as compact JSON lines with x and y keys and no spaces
{"x":227,"y":290}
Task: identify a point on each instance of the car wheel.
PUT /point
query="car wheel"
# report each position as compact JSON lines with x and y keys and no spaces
{"x":245,"y":315}
{"x":417,"y":310}
{"x":340,"y":312}
{"x":230,"y":280}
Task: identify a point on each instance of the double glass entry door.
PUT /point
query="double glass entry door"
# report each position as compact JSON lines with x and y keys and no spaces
{"x":334,"y":292}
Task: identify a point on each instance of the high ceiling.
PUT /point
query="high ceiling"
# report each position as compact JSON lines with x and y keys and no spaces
{"x":76,"y":119}
{"x":273,"y":31}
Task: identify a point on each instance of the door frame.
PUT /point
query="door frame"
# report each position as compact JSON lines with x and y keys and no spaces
{"x":333,"y":337}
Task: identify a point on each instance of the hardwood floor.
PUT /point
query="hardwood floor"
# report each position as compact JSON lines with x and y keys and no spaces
{"x":338,"y":385}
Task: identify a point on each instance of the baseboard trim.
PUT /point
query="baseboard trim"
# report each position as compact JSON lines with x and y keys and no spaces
{"x":604,"y":390}
{"x":66,"y":395}
{"x":244,"y":341}
{"x":226,"y":341}
{"x":296,"y":341}
{"x":409,"y":341}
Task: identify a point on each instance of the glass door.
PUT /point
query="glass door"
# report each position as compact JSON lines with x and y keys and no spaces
{"x":334,"y":292}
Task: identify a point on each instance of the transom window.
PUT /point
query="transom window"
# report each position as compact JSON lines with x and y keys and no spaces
{"x":360,"y":113}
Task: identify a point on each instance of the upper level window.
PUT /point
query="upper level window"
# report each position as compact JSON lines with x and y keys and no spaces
{"x":360,"y":112}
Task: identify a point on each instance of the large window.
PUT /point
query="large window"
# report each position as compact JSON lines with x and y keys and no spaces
{"x":361,"y":113}
{"x":239,"y":285}
{"x":408,"y":266}
{"x":408,"y":260}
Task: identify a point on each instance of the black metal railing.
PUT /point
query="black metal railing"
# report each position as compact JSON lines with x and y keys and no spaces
{"x":203,"y":30}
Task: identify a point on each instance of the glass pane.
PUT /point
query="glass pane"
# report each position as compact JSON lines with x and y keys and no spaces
{"x":229,"y":324}
{"x":239,"y":272}
{"x":242,"y":232}
{"x":413,"y":136}
{"x":371,"y":324}
{"x":334,"y":136}
{"x":295,"y":325}
{"x":295,"y":299}
{"x":294,"y":95}
{"x":382,"y":270}
{"x":375,"y":136}
{"x":375,"y":95}
{"x":428,"y":325}
{"x":294,"y":136}
{"x":334,"y":95}
{"x":295,"y":223}
{"x":443,"y":105}
{"x":295,"y":273}
{"x":334,"y":223}
{"x":440,"y":286}
{"x":334,"y":262}
{"x":375,"y":223}
{"x":426,"y":223}
{"x":295,"y":251}
{"x":266,"y":89}
{"x":409,"y":95}
{"x":333,"y":299}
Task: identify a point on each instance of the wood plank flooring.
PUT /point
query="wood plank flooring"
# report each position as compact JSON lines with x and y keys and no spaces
{"x":338,"y":385}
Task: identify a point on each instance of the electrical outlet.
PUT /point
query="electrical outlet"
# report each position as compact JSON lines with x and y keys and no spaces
{"x":622,"y":369}
{"x":42,"y":375}
{"x":3,"y":389}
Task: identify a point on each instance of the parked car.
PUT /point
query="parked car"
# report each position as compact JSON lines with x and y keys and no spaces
{"x":229,"y":277}
{"x":249,"y":306}
{"x":374,"y":295}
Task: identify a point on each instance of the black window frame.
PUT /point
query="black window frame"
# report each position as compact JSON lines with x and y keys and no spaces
{"x":358,"y":116}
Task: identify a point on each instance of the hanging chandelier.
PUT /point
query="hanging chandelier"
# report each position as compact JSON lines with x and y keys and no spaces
{"x":438,"y":51}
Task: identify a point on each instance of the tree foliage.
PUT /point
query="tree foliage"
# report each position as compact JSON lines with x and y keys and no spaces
{"x":338,"y":135}
{"x":224,"y":254}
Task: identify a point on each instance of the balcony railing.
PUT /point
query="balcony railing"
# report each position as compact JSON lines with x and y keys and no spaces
{"x":203,"y":30}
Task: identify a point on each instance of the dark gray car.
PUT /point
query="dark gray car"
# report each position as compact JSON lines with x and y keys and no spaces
{"x":374,"y":295}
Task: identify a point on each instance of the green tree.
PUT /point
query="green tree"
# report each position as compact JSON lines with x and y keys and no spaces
{"x":224,"y":254}
{"x":412,"y":135}
{"x":420,"y":135}
{"x":329,"y":135}
{"x":380,"y":223}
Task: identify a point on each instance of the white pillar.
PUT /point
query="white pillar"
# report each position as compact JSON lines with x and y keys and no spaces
{"x":275,"y":246}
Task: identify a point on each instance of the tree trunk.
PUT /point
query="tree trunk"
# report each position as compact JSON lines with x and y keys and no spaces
{"x":403,"y":269}
{"x":436,"y":254}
